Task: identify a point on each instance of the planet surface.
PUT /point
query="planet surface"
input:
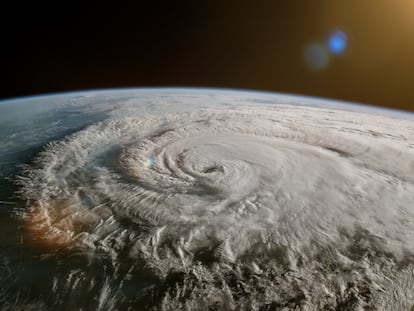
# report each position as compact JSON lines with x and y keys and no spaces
{"x":204,"y":199}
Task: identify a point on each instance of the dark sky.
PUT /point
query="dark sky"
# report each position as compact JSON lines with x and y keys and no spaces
{"x":241,"y":44}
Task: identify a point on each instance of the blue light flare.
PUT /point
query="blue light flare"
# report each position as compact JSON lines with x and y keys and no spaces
{"x":337,"y":42}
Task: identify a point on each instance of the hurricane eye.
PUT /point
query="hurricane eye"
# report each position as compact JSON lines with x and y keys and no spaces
{"x":213,"y":169}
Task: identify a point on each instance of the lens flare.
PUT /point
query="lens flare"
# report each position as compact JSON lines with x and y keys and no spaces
{"x":316,"y":57}
{"x":337,"y":42}
{"x":148,"y":162}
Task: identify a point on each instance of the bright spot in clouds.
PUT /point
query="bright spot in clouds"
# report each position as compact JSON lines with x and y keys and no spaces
{"x":148,"y":162}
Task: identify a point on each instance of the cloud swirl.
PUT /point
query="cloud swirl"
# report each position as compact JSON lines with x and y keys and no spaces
{"x":261,"y":206}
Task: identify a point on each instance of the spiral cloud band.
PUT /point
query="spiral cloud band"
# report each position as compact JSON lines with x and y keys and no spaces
{"x":240,"y":206}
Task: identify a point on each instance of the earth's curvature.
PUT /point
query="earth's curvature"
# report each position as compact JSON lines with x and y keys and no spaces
{"x":204,"y":199}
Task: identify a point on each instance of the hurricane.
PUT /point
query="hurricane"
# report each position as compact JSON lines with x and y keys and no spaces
{"x":240,"y":207}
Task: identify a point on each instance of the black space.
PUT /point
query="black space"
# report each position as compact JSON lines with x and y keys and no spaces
{"x":240,"y":44}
